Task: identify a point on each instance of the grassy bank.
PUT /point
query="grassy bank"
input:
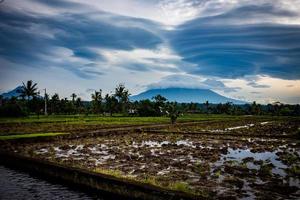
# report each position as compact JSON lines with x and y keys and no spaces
{"x":118,"y":119}
{"x":31,"y":135}
{"x":96,"y":119}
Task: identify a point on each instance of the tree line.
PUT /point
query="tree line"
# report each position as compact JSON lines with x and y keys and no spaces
{"x":30,"y":101}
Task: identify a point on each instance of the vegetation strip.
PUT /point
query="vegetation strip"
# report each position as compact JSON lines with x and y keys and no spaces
{"x":32,"y":135}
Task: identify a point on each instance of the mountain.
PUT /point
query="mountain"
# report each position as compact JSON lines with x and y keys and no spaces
{"x":12,"y":93}
{"x":186,"y":95}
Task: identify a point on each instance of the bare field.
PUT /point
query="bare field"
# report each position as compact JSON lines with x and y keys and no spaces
{"x":232,"y":159}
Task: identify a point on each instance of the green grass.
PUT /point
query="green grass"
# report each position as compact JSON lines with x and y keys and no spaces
{"x":111,"y":172}
{"x":151,"y":180}
{"x":181,"y":186}
{"x":98,"y":119}
{"x":31,"y":135}
{"x":82,"y":119}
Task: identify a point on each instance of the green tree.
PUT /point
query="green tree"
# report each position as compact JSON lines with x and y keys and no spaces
{"x":78,"y":102}
{"x":29,"y":89}
{"x":228,"y":108}
{"x":296,"y":110}
{"x":122,"y":96}
{"x":277,"y":106}
{"x":255,"y":109}
{"x":54,"y":103}
{"x":173,"y":112}
{"x":146,"y":108}
{"x":1,"y":100}
{"x":111,"y":104}
{"x":207,"y":106}
{"x":97,"y":101}
{"x":73,"y":96}
{"x":285,"y":111}
{"x":10,"y":108}
{"x":159,"y":104}
{"x":36,"y":105}
{"x":79,"y":105}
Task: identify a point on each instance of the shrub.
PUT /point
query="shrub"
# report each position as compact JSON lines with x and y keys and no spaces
{"x":12,"y":110}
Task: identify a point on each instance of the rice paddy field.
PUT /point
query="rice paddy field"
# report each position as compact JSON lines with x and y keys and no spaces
{"x":83,"y":123}
{"x":217,"y":157}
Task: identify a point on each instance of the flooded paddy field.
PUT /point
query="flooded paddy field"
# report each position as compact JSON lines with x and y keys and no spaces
{"x":244,"y":127}
{"x":234,"y":160}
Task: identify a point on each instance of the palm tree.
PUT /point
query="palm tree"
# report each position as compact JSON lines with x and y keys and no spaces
{"x":96,"y":101}
{"x":78,"y":102}
{"x":73,"y":97}
{"x":54,"y":103}
{"x":97,"y":97}
{"x":122,"y":96}
{"x":111,"y":103}
{"x":29,"y":90}
{"x":207,"y":106}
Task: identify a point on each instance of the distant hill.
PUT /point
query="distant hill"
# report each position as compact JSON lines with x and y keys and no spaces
{"x":186,"y":95}
{"x":12,"y":93}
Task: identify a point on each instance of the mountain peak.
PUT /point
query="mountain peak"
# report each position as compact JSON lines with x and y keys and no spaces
{"x":13,"y":93}
{"x":186,"y":95}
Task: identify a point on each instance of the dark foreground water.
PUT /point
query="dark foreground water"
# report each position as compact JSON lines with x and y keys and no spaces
{"x":20,"y":185}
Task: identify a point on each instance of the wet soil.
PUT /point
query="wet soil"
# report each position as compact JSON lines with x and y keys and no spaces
{"x":245,"y":127}
{"x":233,"y":163}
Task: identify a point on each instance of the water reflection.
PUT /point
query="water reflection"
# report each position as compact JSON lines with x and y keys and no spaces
{"x":19,"y":185}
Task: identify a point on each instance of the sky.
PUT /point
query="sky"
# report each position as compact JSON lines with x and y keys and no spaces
{"x":243,"y":49}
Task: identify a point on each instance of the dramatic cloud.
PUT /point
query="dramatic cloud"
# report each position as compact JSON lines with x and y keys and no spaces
{"x":253,"y":81}
{"x":255,"y":85}
{"x":68,"y":40}
{"x":229,"y":46}
{"x":189,"y":81}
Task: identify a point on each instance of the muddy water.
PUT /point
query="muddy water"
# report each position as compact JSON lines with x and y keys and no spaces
{"x":19,"y":185}
{"x":240,"y":165}
{"x":239,"y":155}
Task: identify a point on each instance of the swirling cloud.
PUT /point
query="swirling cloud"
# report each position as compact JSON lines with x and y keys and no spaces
{"x":35,"y":40}
{"x":230,"y":46}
